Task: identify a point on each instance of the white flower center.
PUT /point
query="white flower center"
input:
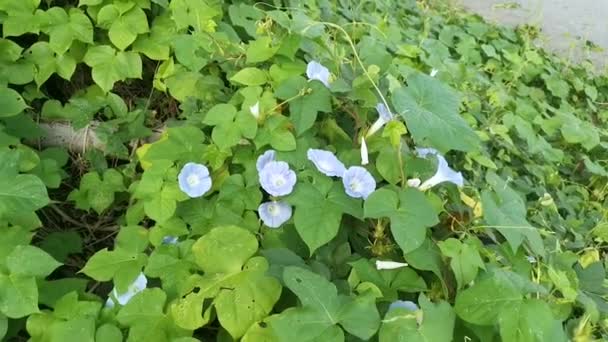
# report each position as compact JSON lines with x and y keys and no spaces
{"x":193,"y":180}
{"x":279,"y":181}
{"x":273,"y":210}
{"x":355,"y":185}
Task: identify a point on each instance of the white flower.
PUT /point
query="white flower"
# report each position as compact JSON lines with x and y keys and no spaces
{"x":169,"y":240}
{"x":434,"y":72}
{"x":358,"y":182}
{"x":326,"y":162}
{"x":264,"y":159}
{"x":136,"y":287}
{"x":274,"y":213}
{"x":255,"y":110}
{"x":444,"y":172}
{"x":194,"y":179}
{"x":364,"y":154}
{"x":413,"y":182}
{"x":316,"y":71}
{"x":531,"y":259}
{"x":277,"y":178}
{"x":405,"y":304}
{"x":384,"y":116}
{"x":389,"y":265}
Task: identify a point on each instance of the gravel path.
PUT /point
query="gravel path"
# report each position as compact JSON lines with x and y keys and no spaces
{"x":566,"y":24}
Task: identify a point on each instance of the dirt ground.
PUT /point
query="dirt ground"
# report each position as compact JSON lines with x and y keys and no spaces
{"x":574,"y":29}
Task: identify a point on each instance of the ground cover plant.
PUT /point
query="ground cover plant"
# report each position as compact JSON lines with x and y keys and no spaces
{"x":200,"y":170}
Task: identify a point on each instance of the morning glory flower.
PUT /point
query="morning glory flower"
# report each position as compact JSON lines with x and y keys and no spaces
{"x":405,"y":304}
{"x":316,"y":71}
{"x":389,"y":265}
{"x":136,"y":287}
{"x":264,"y":159}
{"x":326,"y":162}
{"x":277,"y":178}
{"x":274,"y":213}
{"x":364,"y":153}
{"x":434,"y":72}
{"x":255,"y":110}
{"x":413,"y":182}
{"x":169,"y":240}
{"x":384,"y":116}
{"x":194,"y":179}
{"x":358,"y":182}
{"x":444,"y":172}
{"x":423,"y":152}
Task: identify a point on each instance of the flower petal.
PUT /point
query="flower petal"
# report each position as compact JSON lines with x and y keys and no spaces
{"x":169,"y":240}
{"x":277,"y":178}
{"x":384,"y":113}
{"x":413,"y":182}
{"x":136,"y":287}
{"x":194,"y":180}
{"x":264,"y":159}
{"x":389,"y":265}
{"x":255,"y":110}
{"x":326,"y":162}
{"x":364,"y":153}
{"x":316,"y":71}
{"x":424,"y":152}
{"x":444,"y":174}
{"x":358,"y":182}
{"x":433,"y":72}
{"x":274,"y":213}
{"x":405,"y":304}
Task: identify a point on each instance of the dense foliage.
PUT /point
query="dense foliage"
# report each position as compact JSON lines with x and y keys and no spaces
{"x":443,"y":179}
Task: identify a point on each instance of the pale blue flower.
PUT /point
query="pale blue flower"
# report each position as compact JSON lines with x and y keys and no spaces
{"x":169,"y":240}
{"x":194,"y":179}
{"x":274,"y":213}
{"x":413,"y":182}
{"x":136,"y":287}
{"x":277,"y":178}
{"x":444,"y":172}
{"x":326,"y":162}
{"x":405,"y":304}
{"x":264,"y":159}
{"x":423,"y":152}
{"x":316,"y":71}
{"x":358,"y":182}
{"x":384,"y":116}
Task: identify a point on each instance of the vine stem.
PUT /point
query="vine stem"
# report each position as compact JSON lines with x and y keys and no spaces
{"x":352,"y":46}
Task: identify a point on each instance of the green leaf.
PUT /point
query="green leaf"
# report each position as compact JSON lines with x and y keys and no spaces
{"x":18,"y":296}
{"x":104,"y":264}
{"x":144,"y":309}
{"x":303,"y":109}
{"x":161,"y":207}
{"x":64,"y":28}
{"x":531,"y":320}
{"x":465,"y":260}
{"x":483,"y":302}
{"x":260,"y":50}
{"x":11,"y":103}
{"x":30,"y":261}
{"x":410,"y":213}
{"x":123,"y":27}
{"x":252,"y":297}
{"x":250,"y":77}
{"x":401,"y":325}
{"x":224,"y":249}
{"x":360,"y":316}
{"x":506,"y":212}
{"x":21,"y":194}
{"x":110,"y":66}
{"x":108,"y":332}
{"x":317,"y":218}
{"x":314,"y":292}
{"x":186,"y":311}
{"x":430,"y":110}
